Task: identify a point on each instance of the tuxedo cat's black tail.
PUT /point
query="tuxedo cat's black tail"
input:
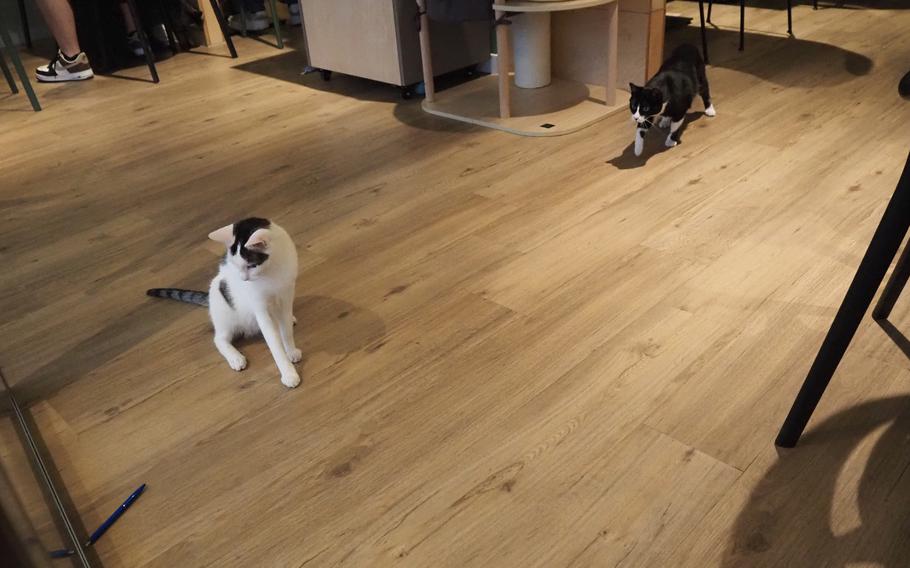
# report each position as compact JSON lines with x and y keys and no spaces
{"x":188,"y":296}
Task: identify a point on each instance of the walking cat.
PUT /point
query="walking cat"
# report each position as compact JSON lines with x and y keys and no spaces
{"x":670,"y":93}
{"x":252,"y":293}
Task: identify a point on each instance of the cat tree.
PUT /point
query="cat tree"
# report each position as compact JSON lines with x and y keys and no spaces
{"x":561,"y":56}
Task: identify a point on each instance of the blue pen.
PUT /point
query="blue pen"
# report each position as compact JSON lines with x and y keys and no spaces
{"x":114,"y":516}
{"x":64,"y":553}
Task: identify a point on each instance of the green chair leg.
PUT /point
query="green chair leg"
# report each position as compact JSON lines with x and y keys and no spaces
{"x":242,"y":20}
{"x":17,"y":63}
{"x":9,"y":78}
{"x":276,"y":24}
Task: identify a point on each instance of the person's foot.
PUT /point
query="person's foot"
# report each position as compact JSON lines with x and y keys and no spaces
{"x":62,"y":68}
{"x":255,"y":22}
{"x":294,"y":14}
{"x":134,"y":44}
{"x":159,"y":36}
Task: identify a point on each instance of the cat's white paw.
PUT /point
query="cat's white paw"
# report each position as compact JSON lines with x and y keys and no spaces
{"x":290,"y":380}
{"x":664,"y":122}
{"x":237,"y":361}
{"x":670,"y":142}
{"x":711,"y":111}
{"x":639,"y":145}
{"x":296,"y":355}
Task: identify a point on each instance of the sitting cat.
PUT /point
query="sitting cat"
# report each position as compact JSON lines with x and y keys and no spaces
{"x":670,"y":92}
{"x":252,"y":293}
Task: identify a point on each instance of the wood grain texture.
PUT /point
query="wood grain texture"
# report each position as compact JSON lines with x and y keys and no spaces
{"x":518,"y":351}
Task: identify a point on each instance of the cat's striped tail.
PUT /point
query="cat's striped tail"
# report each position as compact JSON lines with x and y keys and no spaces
{"x":188,"y":296}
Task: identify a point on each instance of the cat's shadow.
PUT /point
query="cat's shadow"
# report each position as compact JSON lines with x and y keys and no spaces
{"x":654,"y":144}
{"x":330,"y":326}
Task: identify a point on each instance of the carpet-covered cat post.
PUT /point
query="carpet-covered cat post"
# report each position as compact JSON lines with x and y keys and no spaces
{"x":670,"y":93}
{"x":252,"y":293}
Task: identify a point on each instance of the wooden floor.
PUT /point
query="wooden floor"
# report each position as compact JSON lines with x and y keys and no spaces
{"x":518,"y":352}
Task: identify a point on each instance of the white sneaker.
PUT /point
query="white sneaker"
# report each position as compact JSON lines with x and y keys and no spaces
{"x":134,"y":45}
{"x":255,"y":22}
{"x":62,"y":69}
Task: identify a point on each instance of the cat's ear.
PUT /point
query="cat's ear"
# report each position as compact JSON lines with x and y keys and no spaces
{"x":223,"y":235}
{"x":634,"y":88}
{"x":260,"y":239}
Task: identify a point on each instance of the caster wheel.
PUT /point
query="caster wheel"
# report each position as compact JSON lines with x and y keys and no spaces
{"x":407,"y":93}
{"x":326,"y":75}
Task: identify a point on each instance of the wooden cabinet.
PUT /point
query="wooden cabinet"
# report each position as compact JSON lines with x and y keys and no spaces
{"x":378,"y":39}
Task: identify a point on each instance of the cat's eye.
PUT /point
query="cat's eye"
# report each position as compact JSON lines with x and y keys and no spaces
{"x":251,"y":266}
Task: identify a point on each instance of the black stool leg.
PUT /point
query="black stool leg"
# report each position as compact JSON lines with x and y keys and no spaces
{"x":704,"y":35}
{"x":894,"y":287}
{"x":222,"y":23}
{"x":815,"y":4}
{"x":885,"y":242}
{"x":790,"y":18}
{"x":742,"y":25}
{"x":26,"y":32}
{"x":710,"y":5}
{"x":20,"y":70}
{"x":6,"y":74}
{"x":140,"y":31}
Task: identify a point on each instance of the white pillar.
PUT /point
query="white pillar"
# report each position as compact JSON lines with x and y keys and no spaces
{"x":531,"y":41}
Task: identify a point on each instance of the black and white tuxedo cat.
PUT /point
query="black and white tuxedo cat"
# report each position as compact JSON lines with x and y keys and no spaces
{"x":670,"y":93}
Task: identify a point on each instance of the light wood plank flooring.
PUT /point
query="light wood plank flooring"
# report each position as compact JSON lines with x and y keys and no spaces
{"x":518,"y":352}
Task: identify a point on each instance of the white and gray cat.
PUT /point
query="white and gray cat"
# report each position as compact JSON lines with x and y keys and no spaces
{"x":253,"y":293}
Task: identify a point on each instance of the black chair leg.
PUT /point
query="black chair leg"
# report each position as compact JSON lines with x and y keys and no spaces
{"x":894,"y":287}
{"x":710,"y":5}
{"x":815,"y":4}
{"x":881,"y":252}
{"x":704,"y":35}
{"x":7,"y":75}
{"x":26,"y":31}
{"x":143,"y":38}
{"x":742,"y":25}
{"x":222,"y":23}
{"x":790,"y":18}
{"x":17,"y":63}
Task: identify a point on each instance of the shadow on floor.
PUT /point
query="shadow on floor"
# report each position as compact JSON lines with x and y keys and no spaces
{"x":797,"y":62}
{"x":288,"y":65}
{"x":654,"y":143}
{"x":899,"y":339}
{"x":787,"y":519}
{"x":330,"y":325}
{"x":147,"y":318}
